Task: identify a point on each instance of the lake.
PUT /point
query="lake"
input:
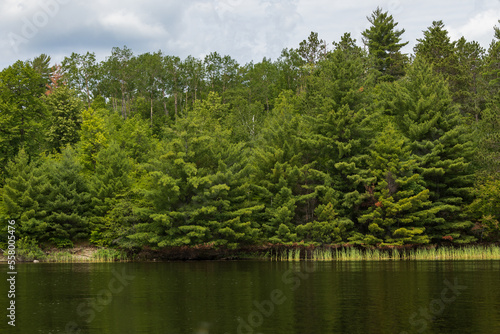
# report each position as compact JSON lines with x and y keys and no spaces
{"x":222,"y":297}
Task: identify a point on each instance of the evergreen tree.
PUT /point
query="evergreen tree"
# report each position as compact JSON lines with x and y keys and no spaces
{"x":282,"y":174}
{"x":469,"y":83}
{"x":488,"y":134}
{"x":339,"y":79}
{"x":68,"y":200}
{"x":41,"y":65}
{"x":424,"y":113}
{"x":339,"y":147}
{"x":384,"y":45}
{"x":195,"y":188}
{"x":24,"y":195}
{"x":397,"y":205}
{"x":437,"y":49}
{"x":312,"y":49}
{"x":289,"y":68}
{"x":64,"y":110}
{"x":486,"y":207}
{"x":491,"y":72}
{"x":111,"y":188}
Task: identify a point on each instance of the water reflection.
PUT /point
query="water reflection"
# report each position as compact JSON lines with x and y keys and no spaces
{"x":259,"y":297}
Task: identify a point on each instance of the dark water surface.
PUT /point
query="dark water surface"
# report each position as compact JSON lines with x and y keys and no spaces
{"x":256,"y":297}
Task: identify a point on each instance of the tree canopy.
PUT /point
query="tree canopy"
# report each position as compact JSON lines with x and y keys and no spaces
{"x":330,"y":143}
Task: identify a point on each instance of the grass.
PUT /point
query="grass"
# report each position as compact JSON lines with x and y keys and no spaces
{"x":355,"y":254}
{"x":100,"y":255}
{"x":463,"y":253}
{"x":108,"y":255}
{"x":59,"y":257}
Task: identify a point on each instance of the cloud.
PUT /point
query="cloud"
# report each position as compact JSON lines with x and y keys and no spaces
{"x":126,"y":23}
{"x":244,"y":29}
{"x":478,"y":27}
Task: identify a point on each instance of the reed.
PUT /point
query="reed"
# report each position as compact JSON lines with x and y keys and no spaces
{"x":491,"y":252}
{"x":108,"y":255}
{"x":63,"y":257}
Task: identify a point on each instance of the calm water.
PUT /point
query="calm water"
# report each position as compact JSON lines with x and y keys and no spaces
{"x":256,"y":297}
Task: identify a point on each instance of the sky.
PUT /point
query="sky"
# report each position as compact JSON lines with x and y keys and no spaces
{"x":246,"y":30}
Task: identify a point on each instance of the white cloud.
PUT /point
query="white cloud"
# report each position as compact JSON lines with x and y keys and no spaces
{"x":122,"y":22}
{"x":244,"y":29}
{"x":478,"y":27}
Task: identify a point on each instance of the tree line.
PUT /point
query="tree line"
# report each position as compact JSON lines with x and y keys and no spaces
{"x":328,"y":144}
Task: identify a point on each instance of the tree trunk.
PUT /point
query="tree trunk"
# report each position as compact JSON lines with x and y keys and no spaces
{"x":175,"y":104}
{"x":151,"y":98}
{"x":87,"y":87}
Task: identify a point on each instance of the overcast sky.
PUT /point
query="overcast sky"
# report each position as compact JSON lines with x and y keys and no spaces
{"x":244,"y":29}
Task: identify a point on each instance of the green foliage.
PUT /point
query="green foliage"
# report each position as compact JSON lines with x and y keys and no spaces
{"x":62,"y":243}
{"x":27,"y":249}
{"x":397,"y":201}
{"x":328,"y":229}
{"x":384,"y":45}
{"x":64,"y":110}
{"x":22,"y":112}
{"x":93,"y":136}
{"x":24,"y":196}
{"x":423,"y":111}
{"x":81,"y":74}
{"x":322,"y":146}
{"x":68,"y":198}
{"x":486,"y":208}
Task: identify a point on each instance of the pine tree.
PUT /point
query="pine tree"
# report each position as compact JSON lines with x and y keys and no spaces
{"x":491,"y":73}
{"x":339,"y":79}
{"x":397,"y":205}
{"x":437,"y":49}
{"x":195,"y":187}
{"x":469,"y":82}
{"x":486,"y":207}
{"x":424,"y":113}
{"x":111,"y":187}
{"x":65,"y":119}
{"x":24,"y":195}
{"x":384,"y":45}
{"x":68,"y":200}
{"x":281,"y":173}
{"x":339,"y":147}
{"x":312,"y":49}
{"x":41,"y":65}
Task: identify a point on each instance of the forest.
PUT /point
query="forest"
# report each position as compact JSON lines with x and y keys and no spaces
{"x":331,"y":143}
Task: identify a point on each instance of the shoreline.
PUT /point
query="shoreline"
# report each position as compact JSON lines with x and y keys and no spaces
{"x":269,"y":252}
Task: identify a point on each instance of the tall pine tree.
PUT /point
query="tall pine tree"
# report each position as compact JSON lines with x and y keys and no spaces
{"x":384,"y":45}
{"x":424,"y":113}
